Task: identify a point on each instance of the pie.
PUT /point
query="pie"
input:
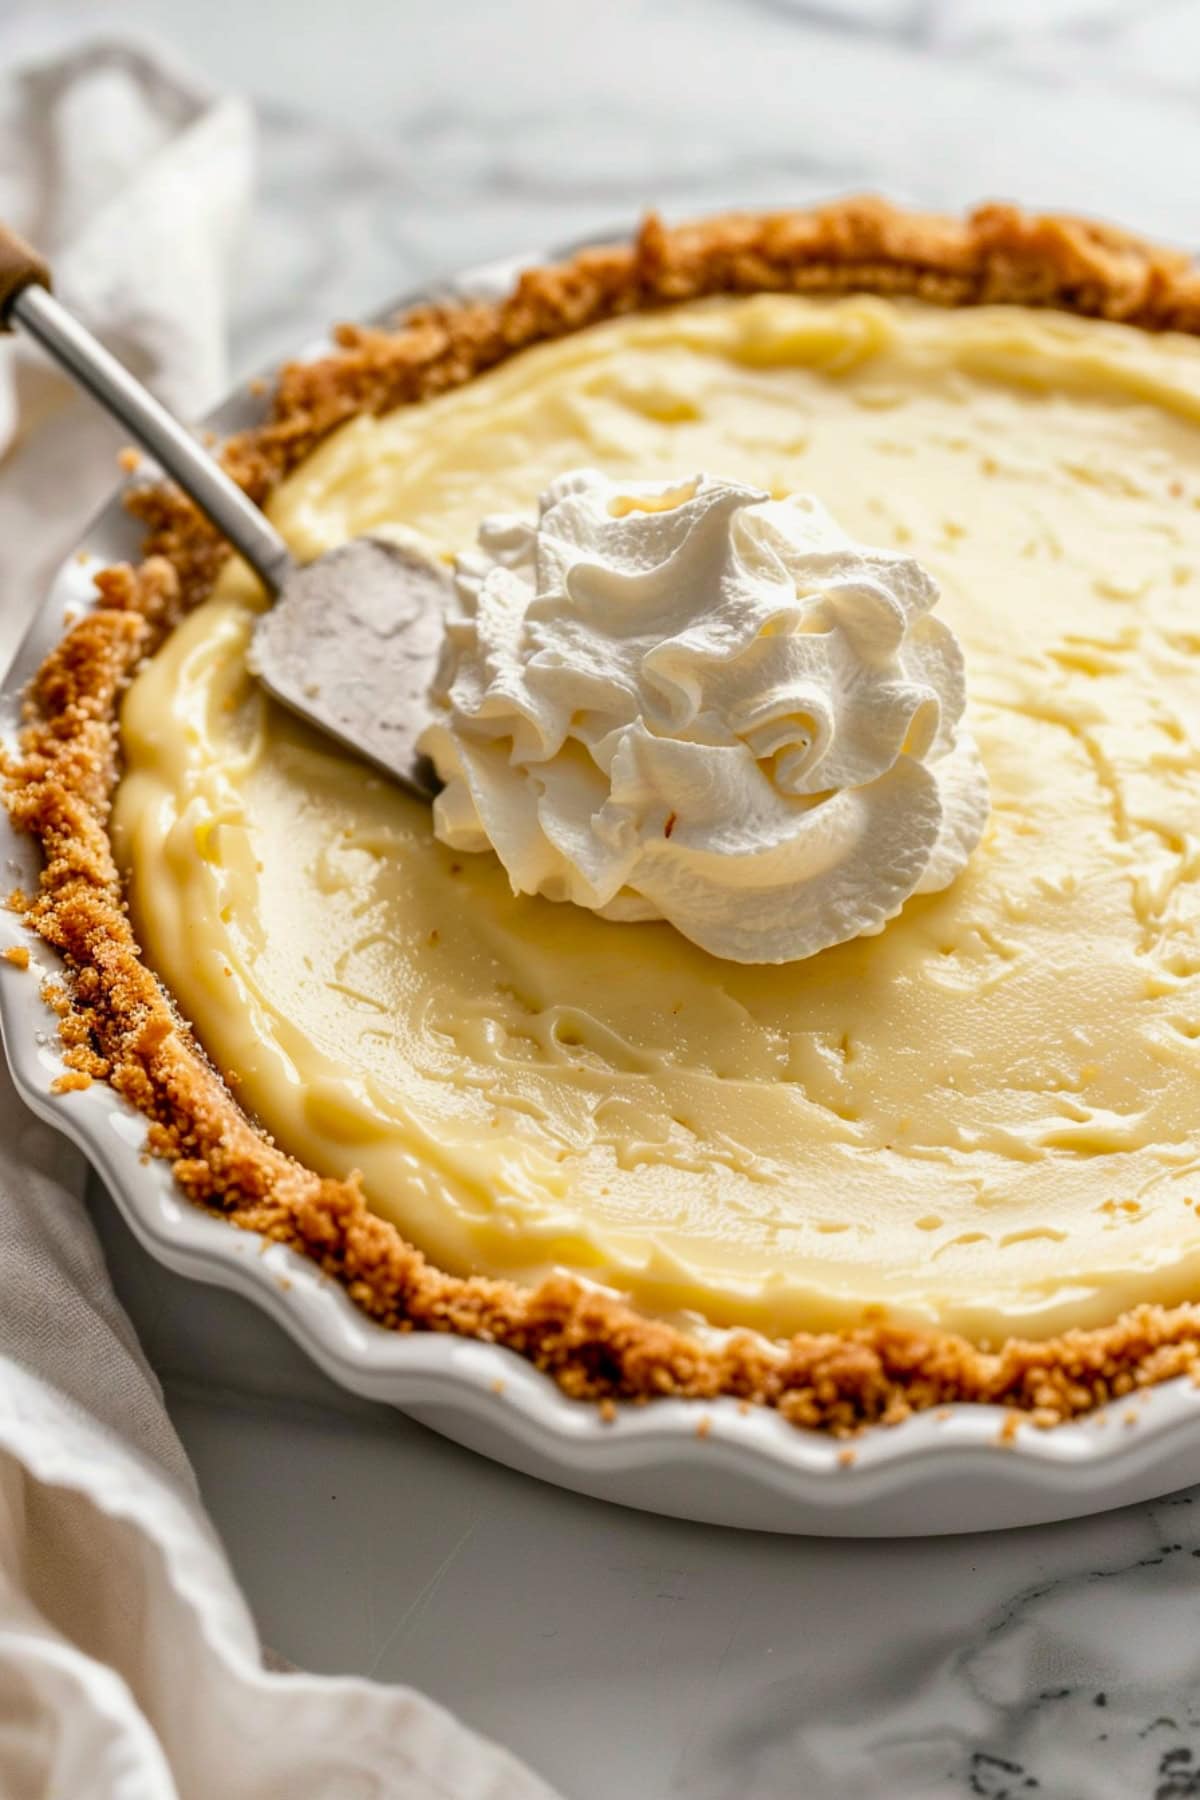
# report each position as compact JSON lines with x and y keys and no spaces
{"x":958,"y":1159}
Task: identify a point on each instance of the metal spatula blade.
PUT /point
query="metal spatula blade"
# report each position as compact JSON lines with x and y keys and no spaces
{"x":351,"y":644}
{"x":352,"y":640}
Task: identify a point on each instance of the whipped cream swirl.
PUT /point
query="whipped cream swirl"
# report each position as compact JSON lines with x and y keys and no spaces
{"x":688,"y":701}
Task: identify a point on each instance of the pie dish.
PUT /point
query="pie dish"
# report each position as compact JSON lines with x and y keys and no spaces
{"x":997,"y":394}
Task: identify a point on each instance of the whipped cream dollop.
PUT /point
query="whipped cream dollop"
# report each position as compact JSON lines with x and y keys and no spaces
{"x":689,"y":701}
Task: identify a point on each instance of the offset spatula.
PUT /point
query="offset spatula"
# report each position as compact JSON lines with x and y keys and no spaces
{"x":352,"y":639}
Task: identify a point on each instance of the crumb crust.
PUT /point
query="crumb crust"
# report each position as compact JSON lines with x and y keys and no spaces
{"x":119,"y":1025}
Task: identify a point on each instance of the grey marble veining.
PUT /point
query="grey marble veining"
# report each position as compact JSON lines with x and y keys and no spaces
{"x":620,"y":1654}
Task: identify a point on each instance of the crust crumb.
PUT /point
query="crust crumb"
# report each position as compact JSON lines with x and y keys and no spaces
{"x":71,"y":1081}
{"x":847,"y":1458}
{"x":17,"y":955}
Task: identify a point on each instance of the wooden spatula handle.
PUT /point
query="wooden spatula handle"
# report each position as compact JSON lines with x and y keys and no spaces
{"x":20,"y":267}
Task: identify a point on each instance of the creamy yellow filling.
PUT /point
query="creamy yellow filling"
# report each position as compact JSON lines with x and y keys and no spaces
{"x":988,"y":1116}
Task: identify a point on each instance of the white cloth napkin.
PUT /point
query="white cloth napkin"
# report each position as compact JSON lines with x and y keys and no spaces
{"x":129,"y":1665}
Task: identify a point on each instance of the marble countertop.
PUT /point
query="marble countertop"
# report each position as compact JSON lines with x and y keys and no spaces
{"x":623,"y":1654}
{"x":619,"y":1653}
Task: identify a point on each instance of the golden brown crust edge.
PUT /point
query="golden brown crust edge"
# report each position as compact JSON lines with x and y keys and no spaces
{"x":118,"y":1024}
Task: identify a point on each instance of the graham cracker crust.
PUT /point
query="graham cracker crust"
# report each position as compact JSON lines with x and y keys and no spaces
{"x":119,"y":1025}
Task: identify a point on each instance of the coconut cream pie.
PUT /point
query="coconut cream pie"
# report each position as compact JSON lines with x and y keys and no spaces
{"x":795,"y":990}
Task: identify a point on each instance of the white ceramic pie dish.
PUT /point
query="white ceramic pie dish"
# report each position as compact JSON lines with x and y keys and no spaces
{"x":949,"y":1472}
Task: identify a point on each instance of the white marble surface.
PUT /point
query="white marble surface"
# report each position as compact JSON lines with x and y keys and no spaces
{"x":622,"y":1654}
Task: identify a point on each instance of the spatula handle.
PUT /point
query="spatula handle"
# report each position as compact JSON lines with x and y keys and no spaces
{"x":20,"y":267}
{"x":25,"y":300}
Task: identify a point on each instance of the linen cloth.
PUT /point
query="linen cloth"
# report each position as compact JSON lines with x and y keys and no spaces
{"x":129,"y":1664}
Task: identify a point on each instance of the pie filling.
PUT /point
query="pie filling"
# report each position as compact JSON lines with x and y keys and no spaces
{"x":987,"y":1117}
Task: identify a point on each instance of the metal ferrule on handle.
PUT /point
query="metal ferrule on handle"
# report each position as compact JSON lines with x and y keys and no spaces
{"x":154,"y":430}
